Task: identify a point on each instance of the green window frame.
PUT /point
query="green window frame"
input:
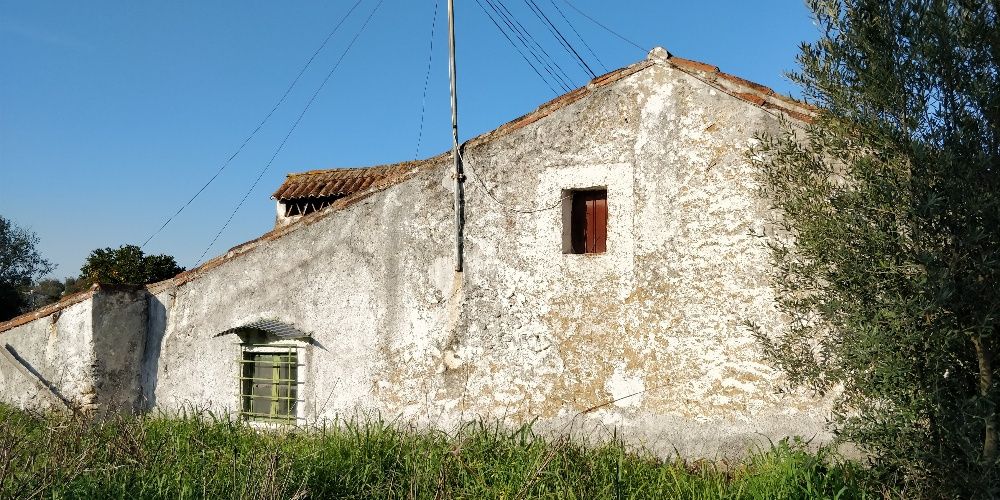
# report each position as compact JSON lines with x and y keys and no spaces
{"x":269,"y":383}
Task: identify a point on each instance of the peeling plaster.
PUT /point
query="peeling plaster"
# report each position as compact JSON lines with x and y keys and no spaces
{"x":526,"y":333}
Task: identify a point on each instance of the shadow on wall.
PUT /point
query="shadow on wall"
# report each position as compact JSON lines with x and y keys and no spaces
{"x":156,"y":326}
{"x":29,"y":371}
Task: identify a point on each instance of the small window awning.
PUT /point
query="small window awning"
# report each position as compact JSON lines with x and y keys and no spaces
{"x":277,"y":328}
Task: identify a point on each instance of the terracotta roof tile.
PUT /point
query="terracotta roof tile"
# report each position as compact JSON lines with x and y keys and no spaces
{"x":752,"y":98}
{"x":338,"y":181}
{"x":744,"y":89}
{"x":696,"y":65}
{"x":63,"y":303}
{"x":746,"y":83}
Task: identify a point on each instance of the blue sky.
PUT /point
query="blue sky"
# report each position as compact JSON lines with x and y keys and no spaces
{"x":112,"y":114}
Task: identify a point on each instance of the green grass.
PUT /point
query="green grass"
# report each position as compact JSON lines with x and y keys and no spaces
{"x":189,"y":457}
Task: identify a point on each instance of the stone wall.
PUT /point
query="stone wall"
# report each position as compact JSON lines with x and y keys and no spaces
{"x":82,"y":358}
{"x":59,"y":350}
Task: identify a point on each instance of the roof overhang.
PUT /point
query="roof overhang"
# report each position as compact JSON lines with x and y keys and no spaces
{"x":274,"y":327}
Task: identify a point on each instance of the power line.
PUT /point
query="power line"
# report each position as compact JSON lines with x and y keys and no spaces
{"x":517,"y":48}
{"x":290,"y":131}
{"x":540,"y":14}
{"x":259,"y":125}
{"x":609,"y":30}
{"x":521,"y":35}
{"x":584,"y":42}
{"x":427,"y":79}
{"x":567,"y":81}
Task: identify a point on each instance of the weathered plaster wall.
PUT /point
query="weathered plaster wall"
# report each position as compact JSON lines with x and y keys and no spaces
{"x":58,"y":347}
{"x":647,"y":337}
{"x":651,"y":333}
{"x":358,"y":281}
{"x":89,"y":352}
{"x":119,"y":337}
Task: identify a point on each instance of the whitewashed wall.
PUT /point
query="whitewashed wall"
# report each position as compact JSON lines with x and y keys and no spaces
{"x":647,"y":338}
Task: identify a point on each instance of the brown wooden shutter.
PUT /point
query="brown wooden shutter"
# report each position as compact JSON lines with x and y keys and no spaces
{"x":600,"y":222}
{"x":578,"y":224}
{"x":591,"y":230}
{"x":589,"y":222}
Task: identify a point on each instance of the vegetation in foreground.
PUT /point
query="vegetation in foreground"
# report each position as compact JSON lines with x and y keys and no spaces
{"x":192,"y":457}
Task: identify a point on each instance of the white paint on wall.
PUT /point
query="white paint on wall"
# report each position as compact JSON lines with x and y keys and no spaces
{"x":526,"y":332}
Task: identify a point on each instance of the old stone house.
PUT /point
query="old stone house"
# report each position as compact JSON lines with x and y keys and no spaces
{"x":612,"y":257}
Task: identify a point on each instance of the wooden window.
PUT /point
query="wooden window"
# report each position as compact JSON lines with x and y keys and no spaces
{"x":588,"y":220}
{"x":269,"y":384}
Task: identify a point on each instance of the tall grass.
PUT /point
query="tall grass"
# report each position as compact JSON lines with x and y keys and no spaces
{"x":198,"y":457}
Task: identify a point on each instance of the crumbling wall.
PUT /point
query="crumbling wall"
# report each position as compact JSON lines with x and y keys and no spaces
{"x":81,"y":355}
{"x":650,"y":336}
{"x":119,"y":337}
{"x":56,"y":349}
{"x":647,"y":338}
{"x":359,"y":281}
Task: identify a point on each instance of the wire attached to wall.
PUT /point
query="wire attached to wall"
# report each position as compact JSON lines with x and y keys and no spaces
{"x":580,"y":37}
{"x":554,"y":30}
{"x":503,"y":205}
{"x":517,"y":48}
{"x":516,"y":31}
{"x":509,"y":16}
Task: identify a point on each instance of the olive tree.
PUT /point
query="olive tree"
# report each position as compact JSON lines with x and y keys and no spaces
{"x":891,"y":204}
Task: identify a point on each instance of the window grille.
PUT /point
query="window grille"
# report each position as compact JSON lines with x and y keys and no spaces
{"x":269,"y":383}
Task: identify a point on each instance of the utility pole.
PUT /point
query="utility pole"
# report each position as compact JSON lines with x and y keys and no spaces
{"x":459,"y":175}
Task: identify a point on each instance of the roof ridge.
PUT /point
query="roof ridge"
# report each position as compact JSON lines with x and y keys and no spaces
{"x":399,"y":164}
{"x":757,"y":94}
{"x":748,"y":91}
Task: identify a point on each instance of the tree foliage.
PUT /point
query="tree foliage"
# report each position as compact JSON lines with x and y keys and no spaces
{"x":45,"y":292}
{"x":126,"y":265}
{"x":20,"y":265}
{"x":74,"y":284}
{"x":889,"y":209}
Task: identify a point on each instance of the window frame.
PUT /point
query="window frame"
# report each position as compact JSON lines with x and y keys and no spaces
{"x":579,"y":222}
{"x":250,"y":350}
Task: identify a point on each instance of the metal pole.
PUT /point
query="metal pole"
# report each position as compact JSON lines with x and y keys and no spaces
{"x":459,"y":176}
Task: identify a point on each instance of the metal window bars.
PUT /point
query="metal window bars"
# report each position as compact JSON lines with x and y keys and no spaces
{"x":269,"y":383}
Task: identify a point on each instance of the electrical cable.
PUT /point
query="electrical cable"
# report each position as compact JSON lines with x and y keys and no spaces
{"x":503,"y":205}
{"x":259,"y":125}
{"x":520,"y":34}
{"x":291,"y":130}
{"x":584,"y":42}
{"x":518,"y":49}
{"x":511,"y":19}
{"x":540,"y":14}
{"x":693,"y":74}
{"x":427,"y":79}
{"x":609,"y":30}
